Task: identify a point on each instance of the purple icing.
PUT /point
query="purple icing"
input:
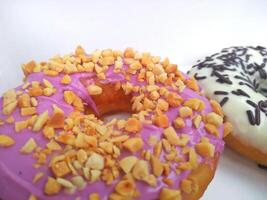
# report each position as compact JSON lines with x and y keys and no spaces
{"x":16,"y":169}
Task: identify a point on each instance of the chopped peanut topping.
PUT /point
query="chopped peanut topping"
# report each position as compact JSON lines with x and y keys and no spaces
{"x":56,"y":120}
{"x":118,"y":65}
{"x":40,"y":122}
{"x":32,"y":197}
{"x":154,"y":95}
{"x":19,"y":126}
{"x":212,"y":129}
{"x":34,"y":102}
{"x":161,"y":121}
{"x":10,"y":120}
{"x":151,"y":180}
{"x":95,"y":175}
{"x":158,"y":149}
{"x":133,"y":144}
{"x":185,"y":112}
{"x":183,"y":140}
{"x":125,"y":188}
{"x":193,"y":158}
{"x":29,"y":67}
{"x":49,"y":132}
{"x":174,"y":99}
{"x":79,"y":51}
{"x":133,"y":125}
{"x":171,"y":136}
{"x":204,"y":139}
{"x":24,"y":101}
{"x":94,"y":90}
{"x":38,"y":177}
{"x":28,"y":111}
{"x":52,"y":187}
{"x":167,"y":181}
{"x":65,"y":183}
{"x":78,"y":181}
{"x":170,"y":194}
{"x":157,"y":166}
{"x":107,"y":147}
{"x":171,"y":68}
{"x":101,"y":129}
{"x":179,"y":123}
{"x":205,"y":149}
{"x":35,"y":92}
{"x":94,"y":196}
{"x":60,"y":169}
{"x":197,"y":120}
{"x":8,"y":109}
{"x":140,"y":170}
{"x":148,"y":104}
{"x":128,"y":163}
{"x":9,"y":102}
{"x":69,"y":97}
{"x":31,"y":121}
{"x":115,"y":196}
{"x":50,"y":73}
{"x":163,"y":105}
{"x":166,"y":145}
{"x":108,"y":60}
{"x":35,"y":84}
{"x":216,"y":107}
{"x":95,"y":161}
{"x":192,"y":84}
{"x":47,"y":83}
{"x":6,"y":141}
{"x":29,"y":146}
{"x":9,"y":96}
{"x":214,"y":119}
{"x":48,"y":92}
{"x":82,"y":156}
{"x":195,"y":103}
{"x":53,"y":146}
{"x":129,"y":53}
{"x":66,"y":80}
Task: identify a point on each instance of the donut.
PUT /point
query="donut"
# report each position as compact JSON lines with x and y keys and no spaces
{"x":55,"y":145}
{"x":237,"y":78}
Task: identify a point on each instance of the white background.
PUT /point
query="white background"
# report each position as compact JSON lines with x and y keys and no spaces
{"x":182,"y":30}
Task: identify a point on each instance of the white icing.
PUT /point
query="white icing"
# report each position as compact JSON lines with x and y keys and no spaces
{"x":236,"y":107}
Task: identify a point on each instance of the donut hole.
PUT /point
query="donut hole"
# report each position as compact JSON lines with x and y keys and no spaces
{"x":111,"y":101}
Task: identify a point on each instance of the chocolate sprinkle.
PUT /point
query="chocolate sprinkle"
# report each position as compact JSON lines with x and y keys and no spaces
{"x":223,"y":101}
{"x":262,"y":166}
{"x":239,"y":92}
{"x":251,"y":103}
{"x":250,"y":86}
{"x":199,"y":77}
{"x":220,"y":93}
{"x":222,"y":78}
{"x":251,"y":117}
{"x":263,"y":104}
{"x":264,"y":89}
{"x":257,"y":115}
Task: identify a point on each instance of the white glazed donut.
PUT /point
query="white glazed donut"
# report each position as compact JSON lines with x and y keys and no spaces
{"x":237,"y":78}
